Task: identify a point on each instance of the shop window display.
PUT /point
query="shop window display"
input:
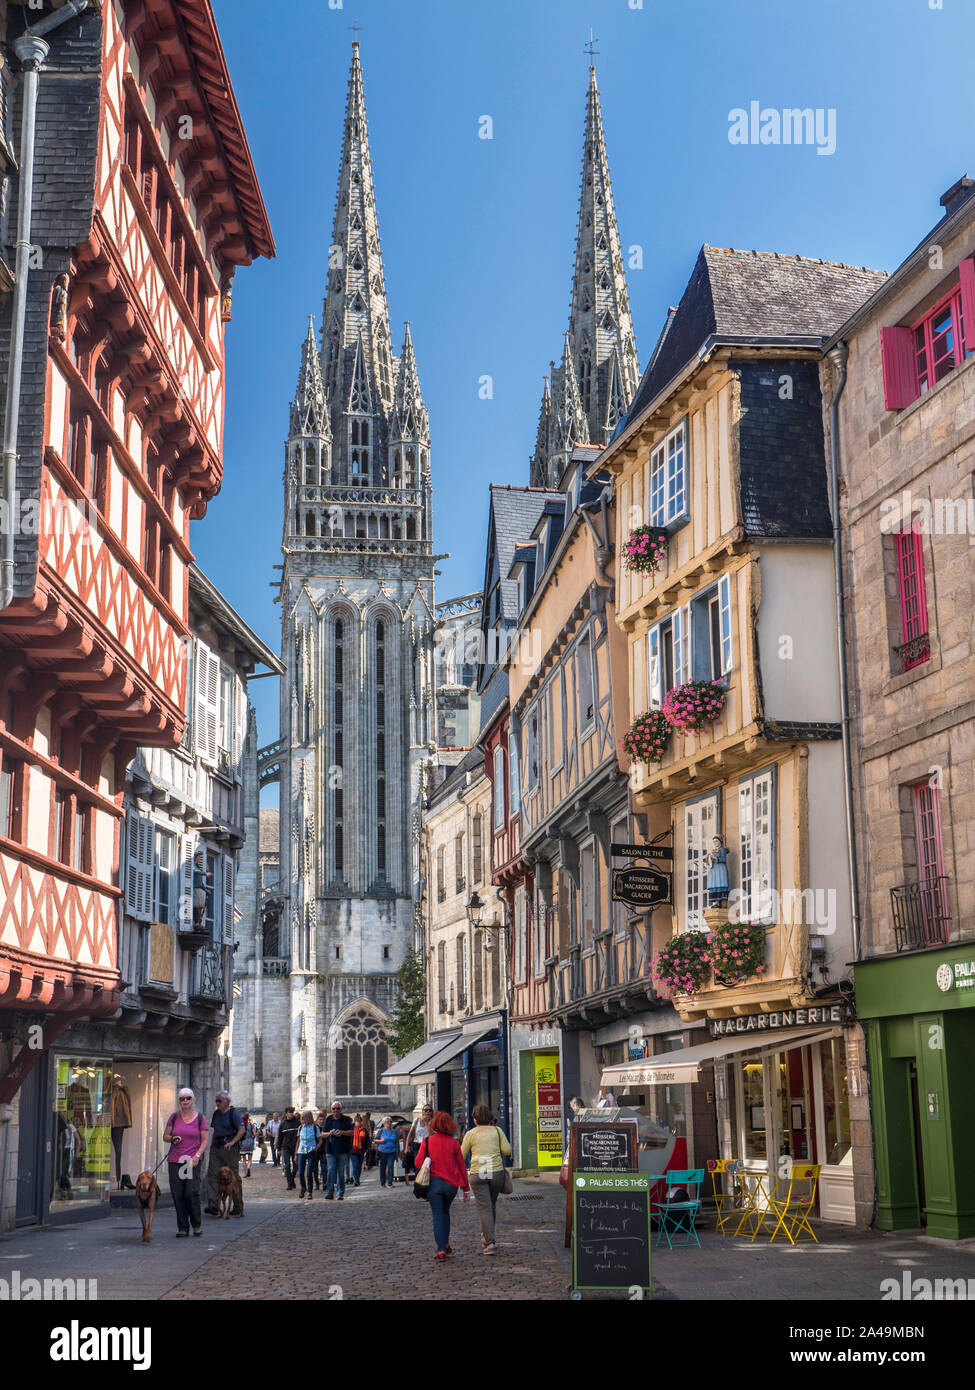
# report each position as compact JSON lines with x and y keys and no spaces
{"x":836,"y":1104}
{"x":82,"y":1131}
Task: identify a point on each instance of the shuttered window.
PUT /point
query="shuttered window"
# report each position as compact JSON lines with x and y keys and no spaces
{"x":915,"y":648}
{"x":916,"y":358}
{"x":228,"y":901}
{"x":207,"y":673}
{"x":139,"y":866}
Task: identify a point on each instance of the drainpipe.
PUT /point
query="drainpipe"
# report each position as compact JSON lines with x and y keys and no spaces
{"x":31,"y":50}
{"x":837,"y":357}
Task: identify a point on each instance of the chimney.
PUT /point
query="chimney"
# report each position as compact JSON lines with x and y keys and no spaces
{"x":957,"y":194}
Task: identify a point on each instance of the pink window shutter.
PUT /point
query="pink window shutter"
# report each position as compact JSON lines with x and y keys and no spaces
{"x":899,"y":367}
{"x":966,"y":277}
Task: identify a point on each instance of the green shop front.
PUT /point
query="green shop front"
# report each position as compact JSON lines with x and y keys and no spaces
{"x":918,"y":1012}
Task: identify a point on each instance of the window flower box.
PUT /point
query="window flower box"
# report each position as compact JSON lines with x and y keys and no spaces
{"x":647,"y":737}
{"x":737,"y":951}
{"x":683,"y":964}
{"x":644,"y":548}
{"x":694,"y":705}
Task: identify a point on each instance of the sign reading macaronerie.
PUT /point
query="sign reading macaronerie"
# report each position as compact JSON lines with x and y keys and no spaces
{"x":778,"y":1018}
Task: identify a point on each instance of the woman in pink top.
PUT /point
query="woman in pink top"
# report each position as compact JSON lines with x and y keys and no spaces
{"x":186,"y":1133}
{"x":448,"y":1173}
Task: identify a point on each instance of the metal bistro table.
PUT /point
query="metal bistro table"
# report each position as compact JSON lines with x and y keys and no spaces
{"x":757,"y":1190}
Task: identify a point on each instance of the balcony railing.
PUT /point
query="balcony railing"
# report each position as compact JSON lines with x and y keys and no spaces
{"x":208,"y":985}
{"x":276,"y":966}
{"x":921,"y":915}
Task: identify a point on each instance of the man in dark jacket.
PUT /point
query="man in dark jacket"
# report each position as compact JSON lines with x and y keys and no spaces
{"x":227,"y":1130}
{"x":337,"y":1142}
{"x":288,"y":1144}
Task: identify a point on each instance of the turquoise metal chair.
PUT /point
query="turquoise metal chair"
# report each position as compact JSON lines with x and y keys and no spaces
{"x":676,"y":1215}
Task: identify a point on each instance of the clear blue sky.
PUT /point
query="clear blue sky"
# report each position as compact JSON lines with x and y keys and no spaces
{"x":478,"y":235}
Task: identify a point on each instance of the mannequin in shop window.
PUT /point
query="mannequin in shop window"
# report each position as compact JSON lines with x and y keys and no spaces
{"x":718,"y":873}
{"x":121,"y":1121}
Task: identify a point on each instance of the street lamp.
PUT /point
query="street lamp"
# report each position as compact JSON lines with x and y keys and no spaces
{"x":475,"y":911}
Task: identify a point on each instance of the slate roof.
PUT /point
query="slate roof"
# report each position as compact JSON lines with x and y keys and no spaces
{"x":456,"y":779}
{"x":753,"y":296}
{"x":514,"y":510}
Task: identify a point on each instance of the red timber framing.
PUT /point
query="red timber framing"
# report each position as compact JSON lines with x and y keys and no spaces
{"x":92,"y":664}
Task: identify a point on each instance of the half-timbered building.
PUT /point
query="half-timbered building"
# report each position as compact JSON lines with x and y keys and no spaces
{"x":722,"y":455}
{"x":133,"y":201}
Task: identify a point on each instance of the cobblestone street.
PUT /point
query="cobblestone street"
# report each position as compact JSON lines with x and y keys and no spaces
{"x":378,"y":1243}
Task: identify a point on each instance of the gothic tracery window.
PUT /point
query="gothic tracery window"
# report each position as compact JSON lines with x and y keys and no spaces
{"x":362,"y":1056}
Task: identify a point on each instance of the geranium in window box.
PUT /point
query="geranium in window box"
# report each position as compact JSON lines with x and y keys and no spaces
{"x":694,"y":705}
{"x":684,"y":963}
{"x":647,"y":737}
{"x":737,"y":951}
{"x":644,"y":548}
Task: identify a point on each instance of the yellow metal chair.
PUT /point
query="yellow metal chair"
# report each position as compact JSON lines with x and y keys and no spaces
{"x":794,"y":1203}
{"x":727,"y":1204}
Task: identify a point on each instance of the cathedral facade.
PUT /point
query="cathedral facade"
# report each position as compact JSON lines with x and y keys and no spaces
{"x":357,"y":703}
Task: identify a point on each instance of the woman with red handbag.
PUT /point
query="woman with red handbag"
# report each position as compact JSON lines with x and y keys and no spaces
{"x":448,"y":1174}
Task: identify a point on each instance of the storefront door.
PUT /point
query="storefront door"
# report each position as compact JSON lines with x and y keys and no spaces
{"x":32,"y":1148}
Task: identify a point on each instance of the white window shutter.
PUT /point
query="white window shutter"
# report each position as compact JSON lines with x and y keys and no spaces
{"x":228,"y":901}
{"x":724,"y":603}
{"x":187,"y":849}
{"x":682,"y":648}
{"x":655,"y":693}
{"x":207,"y":667}
{"x":240,"y":725}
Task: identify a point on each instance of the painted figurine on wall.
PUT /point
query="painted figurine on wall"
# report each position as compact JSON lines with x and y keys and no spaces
{"x":718,"y":873}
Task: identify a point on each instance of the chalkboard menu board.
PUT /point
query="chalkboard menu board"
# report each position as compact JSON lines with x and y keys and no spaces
{"x":598,"y":1147}
{"x":611,"y":1231}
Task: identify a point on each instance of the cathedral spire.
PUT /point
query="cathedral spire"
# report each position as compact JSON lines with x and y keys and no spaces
{"x":355,"y":323}
{"x":410,"y":419}
{"x":309,"y":412}
{"x":600,"y":327}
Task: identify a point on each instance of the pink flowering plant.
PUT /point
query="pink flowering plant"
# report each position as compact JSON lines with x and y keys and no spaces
{"x":737,"y":951}
{"x":644,"y":548}
{"x":693,"y":705}
{"x":647,"y":737}
{"x":684,"y":963}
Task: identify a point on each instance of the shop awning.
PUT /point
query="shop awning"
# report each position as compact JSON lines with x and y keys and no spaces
{"x":683,"y":1068}
{"x":424,"y":1063}
{"x":402,"y":1072}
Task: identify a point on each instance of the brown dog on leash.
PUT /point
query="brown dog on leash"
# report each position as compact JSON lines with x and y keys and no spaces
{"x":228,"y":1186}
{"x":146,"y":1192}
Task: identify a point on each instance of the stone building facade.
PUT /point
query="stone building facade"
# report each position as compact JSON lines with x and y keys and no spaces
{"x":722,"y":456}
{"x":358,"y":703}
{"x":903,"y":386}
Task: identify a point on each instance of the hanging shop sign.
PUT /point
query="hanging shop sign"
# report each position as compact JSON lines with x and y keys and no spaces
{"x":642,"y":887}
{"x":772,"y":1019}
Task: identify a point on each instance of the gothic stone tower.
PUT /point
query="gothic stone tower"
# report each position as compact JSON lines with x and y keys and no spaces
{"x":591,"y":388}
{"x":357,"y":709}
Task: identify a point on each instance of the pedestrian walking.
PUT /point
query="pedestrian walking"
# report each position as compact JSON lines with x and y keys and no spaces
{"x":187,"y":1134}
{"x":262,"y":1141}
{"x":487,"y":1147}
{"x":247,"y":1144}
{"x":372,"y":1157}
{"x":288,"y":1145}
{"x":273,"y":1125}
{"x":227,"y":1130}
{"x":308,"y":1136}
{"x":360,"y":1147}
{"x":418,"y":1131}
{"x":337,"y":1143}
{"x":321,"y":1154}
{"x":386,"y":1144}
{"x":448,"y":1175}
